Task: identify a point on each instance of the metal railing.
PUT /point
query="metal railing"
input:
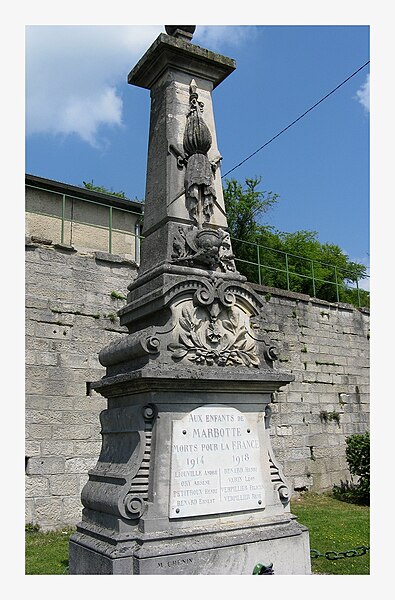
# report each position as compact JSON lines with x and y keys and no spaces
{"x":289,"y":270}
{"x":109,"y":227}
{"x":261,"y":252}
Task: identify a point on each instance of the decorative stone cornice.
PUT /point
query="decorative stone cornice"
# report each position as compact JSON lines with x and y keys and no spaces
{"x":168,"y":52}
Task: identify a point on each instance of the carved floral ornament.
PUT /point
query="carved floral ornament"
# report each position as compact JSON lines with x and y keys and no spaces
{"x":213,"y":329}
{"x":213,"y":322}
{"x":216,"y":340}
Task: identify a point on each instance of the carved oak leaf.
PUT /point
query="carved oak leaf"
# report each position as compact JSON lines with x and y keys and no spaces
{"x":196,"y":340}
{"x":178,"y":351}
{"x":242,"y":346}
{"x":254,"y":360}
{"x":250,"y":359}
{"x":184,"y":339}
{"x":236,"y":359}
{"x":188,"y":320}
{"x":224,"y":343}
{"x":234,"y":318}
{"x":250,"y":347}
{"x":241,"y":336}
{"x":185,"y":324}
{"x":228,"y":325}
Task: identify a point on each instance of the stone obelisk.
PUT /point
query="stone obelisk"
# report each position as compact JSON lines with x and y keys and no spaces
{"x":186,"y":481}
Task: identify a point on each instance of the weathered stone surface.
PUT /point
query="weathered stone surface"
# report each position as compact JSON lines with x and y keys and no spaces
{"x":36,"y":487}
{"x":45,"y":466}
{"x":66,"y":485}
{"x":48,"y":512}
{"x":155,"y":453}
{"x":191,"y":60}
{"x":170,"y":161}
{"x":341,"y":397}
{"x":56,"y":375}
{"x":212,"y":554}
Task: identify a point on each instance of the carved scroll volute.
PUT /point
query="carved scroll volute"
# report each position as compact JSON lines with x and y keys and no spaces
{"x":119,"y":484}
{"x":279,"y":482}
{"x":130,"y":347}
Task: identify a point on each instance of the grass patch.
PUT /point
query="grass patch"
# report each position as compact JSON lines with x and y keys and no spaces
{"x":334,"y":526}
{"x":47,"y":553}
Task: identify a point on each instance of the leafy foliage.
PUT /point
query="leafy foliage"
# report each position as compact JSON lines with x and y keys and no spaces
{"x":245,"y":206}
{"x":358,"y":454}
{"x":296,"y":261}
{"x":358,"y":460}
{"x":99,"y":188}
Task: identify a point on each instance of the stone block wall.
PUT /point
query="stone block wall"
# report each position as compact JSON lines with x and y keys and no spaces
{"x":71,"y":306}
{"x":71,"y":302}
{"x":326,"y":347}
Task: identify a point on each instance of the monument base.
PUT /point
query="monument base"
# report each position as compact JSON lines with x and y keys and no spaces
{"x":187,"y":482}
{"x":284,"y":544}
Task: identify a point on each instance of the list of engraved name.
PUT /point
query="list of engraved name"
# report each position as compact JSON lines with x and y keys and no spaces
{"x":215,"y":463}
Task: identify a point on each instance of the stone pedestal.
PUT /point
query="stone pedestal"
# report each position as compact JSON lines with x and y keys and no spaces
{"x":200,"y":447}
{"x":186,"y":481}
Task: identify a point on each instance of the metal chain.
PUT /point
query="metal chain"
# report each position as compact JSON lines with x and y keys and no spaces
{"x":332,"y":555}
{"x":261,"y":569}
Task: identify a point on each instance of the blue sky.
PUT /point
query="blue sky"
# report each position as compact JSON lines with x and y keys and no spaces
{"x":84,"y":122}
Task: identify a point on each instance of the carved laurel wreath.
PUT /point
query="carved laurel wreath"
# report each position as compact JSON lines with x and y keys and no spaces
{"x":220,"y":341}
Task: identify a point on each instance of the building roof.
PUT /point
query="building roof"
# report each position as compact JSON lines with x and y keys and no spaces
{"x":79,"y":192}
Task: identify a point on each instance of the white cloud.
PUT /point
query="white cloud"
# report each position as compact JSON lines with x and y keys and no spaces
{"x":84,"y":116}
{"x":214,"y":36}
{"x":363,"y":94}
{"x":73,"y":74}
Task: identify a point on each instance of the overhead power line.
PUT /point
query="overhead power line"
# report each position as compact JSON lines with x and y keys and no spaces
{"x":296,"y":120}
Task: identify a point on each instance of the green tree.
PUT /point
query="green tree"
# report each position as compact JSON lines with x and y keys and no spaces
{"x":244,"y":208}
{"x":297,"y":261}
{"x":99,"y":188}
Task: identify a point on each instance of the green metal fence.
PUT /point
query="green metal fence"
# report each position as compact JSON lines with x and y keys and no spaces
{"x":292,"y":277}
{"x":111,"y":210}
{"x":261,"y":265}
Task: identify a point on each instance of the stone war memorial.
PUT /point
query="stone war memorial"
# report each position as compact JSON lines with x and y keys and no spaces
{"x":186,"y":481}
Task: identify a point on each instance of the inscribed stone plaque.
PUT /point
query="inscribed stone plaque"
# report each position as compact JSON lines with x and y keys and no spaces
{"x":215,"y":463}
